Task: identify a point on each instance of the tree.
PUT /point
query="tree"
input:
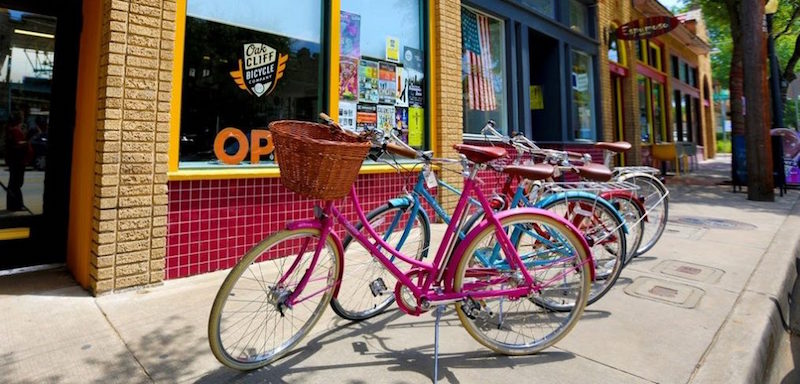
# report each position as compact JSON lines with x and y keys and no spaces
{"x":760,"y":184}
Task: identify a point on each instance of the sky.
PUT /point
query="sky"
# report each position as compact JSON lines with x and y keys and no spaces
{"x":669,"y":3}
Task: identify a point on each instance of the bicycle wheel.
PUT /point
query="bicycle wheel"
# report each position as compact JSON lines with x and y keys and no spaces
{"x":605,"y":233}
{"x":555,"y":258}
{"x":634,"y":220}
{"x":367,"y":287}
{"x":656,"y":203}
{"x":251,"y":325}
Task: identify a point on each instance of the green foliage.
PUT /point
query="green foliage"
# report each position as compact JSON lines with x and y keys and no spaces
{"x":723,"y":143}
{"x":790,"y":113}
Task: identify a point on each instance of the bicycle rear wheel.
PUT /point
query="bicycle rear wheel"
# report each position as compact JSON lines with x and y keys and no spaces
{"x":557,"y":261}
{"x":367,"y":288}
{"x":252,"y":323}
{"x":633,"y":214}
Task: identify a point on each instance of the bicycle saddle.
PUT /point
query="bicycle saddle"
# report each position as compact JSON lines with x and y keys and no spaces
{"x":478,"y":154}
{"x":617,"y":146}
{"x":530,"y":172}
{"x":593,"y":172}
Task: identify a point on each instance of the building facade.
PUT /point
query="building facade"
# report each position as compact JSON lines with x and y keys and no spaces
{"x":169,"y":170}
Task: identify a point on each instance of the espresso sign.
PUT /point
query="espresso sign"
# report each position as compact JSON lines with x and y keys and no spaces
{"x":647,"y":28}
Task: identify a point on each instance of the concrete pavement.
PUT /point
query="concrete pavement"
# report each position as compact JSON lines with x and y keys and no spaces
{"x":700,"y":308}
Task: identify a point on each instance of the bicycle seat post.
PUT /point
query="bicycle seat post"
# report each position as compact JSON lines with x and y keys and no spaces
{"x":608,"y":156}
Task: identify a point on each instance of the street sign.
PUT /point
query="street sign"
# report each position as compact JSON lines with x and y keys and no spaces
{"x":724,"y":95}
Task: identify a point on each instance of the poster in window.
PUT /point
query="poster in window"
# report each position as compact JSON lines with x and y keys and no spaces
{"x":350,"y":42}
{"x":368,"y":81}
{"x":402,"y":89}
{"x":393,"y":49}
{"x":387,"y":83}
{"x":348,"y":78}
{"x":416,"y":123}
{"x":347,"y":115}
{"x":415,"y":75}
{"x":537,"y":98}
{"x":386,"y":117}
{"x":366,"y":117}
{"x":401,"y":122}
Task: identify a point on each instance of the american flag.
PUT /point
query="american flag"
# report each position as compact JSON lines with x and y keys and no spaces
{"x":477,"y":66}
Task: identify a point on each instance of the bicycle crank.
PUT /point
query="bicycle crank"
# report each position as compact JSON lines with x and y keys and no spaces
{"x":405,"y":298}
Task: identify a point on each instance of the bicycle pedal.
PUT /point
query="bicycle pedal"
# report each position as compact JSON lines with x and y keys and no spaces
{"x":378,"y":287}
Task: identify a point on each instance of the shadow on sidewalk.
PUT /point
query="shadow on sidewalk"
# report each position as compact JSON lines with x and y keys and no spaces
{"x":52,"y":282}
{"x":417,"y":360}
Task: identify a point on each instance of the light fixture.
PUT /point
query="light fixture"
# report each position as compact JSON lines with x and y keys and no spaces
{"x":35,"y":34}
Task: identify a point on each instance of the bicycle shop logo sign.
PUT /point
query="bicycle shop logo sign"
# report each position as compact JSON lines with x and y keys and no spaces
{"x":647,"y":28}
{"x":260,"y":68}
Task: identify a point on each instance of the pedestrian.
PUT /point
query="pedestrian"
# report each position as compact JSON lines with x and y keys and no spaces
{"x":18,"y":153}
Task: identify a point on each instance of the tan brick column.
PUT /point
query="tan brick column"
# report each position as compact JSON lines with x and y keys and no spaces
{"x":130,"y":203}
{"x":448,"y":94}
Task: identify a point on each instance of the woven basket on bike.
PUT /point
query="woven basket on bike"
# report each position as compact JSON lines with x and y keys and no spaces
{"x":315,"y":160}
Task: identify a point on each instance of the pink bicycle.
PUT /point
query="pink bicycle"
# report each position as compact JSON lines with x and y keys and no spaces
{"x":276,"y":293}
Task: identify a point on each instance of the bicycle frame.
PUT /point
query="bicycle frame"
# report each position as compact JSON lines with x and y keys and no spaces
{"x":441,"y":271}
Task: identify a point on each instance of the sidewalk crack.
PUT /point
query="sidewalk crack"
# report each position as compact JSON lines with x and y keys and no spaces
{"x":127,"y":347}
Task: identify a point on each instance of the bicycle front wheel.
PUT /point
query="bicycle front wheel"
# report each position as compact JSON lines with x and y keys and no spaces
{"x":253,"y":322}
{"x":556,"y":259}
{"x":605,"y":232}
{"x":656,"y":203}
{"x":367,"y":287}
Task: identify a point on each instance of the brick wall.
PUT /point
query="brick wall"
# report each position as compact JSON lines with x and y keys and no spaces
{"x":449,"y":112}
{"x":130,"y":203}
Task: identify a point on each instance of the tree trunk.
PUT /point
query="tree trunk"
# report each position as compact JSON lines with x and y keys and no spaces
{"x":760,"y":185}
{"x":736,"y":76}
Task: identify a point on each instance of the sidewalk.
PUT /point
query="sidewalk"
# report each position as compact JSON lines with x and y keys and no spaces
{"x":697,"y":308}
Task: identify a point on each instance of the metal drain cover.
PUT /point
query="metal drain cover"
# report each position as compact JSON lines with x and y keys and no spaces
{"x":667,"y":292}
{"x":689,"y":271}
{"x":685,"y":231}
{"x":711,"y":222}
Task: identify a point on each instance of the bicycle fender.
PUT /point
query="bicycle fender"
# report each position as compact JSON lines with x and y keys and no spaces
{"x":398,"y":202}
{"x":315,"y":224}
{"x":602,"y":201}
{"x":626,"y":195}
{"x":473,"y":234}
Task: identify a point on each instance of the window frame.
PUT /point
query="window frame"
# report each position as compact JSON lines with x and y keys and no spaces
{"x":622,"y":49}
{"x":330,"y":91}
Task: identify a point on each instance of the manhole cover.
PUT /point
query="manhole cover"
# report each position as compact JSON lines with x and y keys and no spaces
{"x":667,"y":292}
{"x":711,"y":222}
{"x":685,"y":231}
{"x":689,"y":271}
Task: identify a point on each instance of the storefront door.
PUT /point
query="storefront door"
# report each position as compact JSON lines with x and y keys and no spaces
{"x":38,"y":54}
{"x":616,"y":112}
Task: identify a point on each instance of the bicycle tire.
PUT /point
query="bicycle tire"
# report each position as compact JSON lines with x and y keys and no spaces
{"x":359,"y":303}
{"x":655,"y":195}
{"x":490,"y":330}
{"x":320,"y":288}
{"x":634,"y":219}
{"x":608,"y":252}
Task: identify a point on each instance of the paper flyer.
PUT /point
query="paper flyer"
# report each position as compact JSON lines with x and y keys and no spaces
{"x":416,"y":126}
{"x":402,"y":90}
{"x":350,"y":41}
{"x":386,"y":117}
{"x":415,"y":76}
{"x":368,"y":81}
{"x":401,"y":121}
{"x":393,"y":49}
{"x":366,"y":117}
{"x":348,"y":79}
{"x":387,"y":83}
{"x":347,"y":115}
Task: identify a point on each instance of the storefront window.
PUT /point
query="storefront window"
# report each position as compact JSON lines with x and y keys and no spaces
{"x":545,"y":7}
{"x":247,"y":63}
{"x":644,"y":108}
{"x":483,"y":71}
{"x":578,"y":17}
{"x":613,"y":46}
{"x":583,"y":122}
{"x":382,"y":68}
{"x":658,"y":110}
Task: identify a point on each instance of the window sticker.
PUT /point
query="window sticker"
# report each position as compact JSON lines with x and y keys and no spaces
{"x":263,"y":67}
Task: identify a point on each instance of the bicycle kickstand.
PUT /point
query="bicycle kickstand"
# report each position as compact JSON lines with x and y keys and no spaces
{"x":438,"y":312}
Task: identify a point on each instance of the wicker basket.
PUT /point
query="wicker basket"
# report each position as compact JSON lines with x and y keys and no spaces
{"x":315,"y":161}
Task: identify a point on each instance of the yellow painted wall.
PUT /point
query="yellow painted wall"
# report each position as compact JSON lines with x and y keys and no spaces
{"x":82,"y":184}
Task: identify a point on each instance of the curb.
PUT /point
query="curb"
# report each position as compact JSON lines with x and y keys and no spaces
{"x":745,"y":346}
